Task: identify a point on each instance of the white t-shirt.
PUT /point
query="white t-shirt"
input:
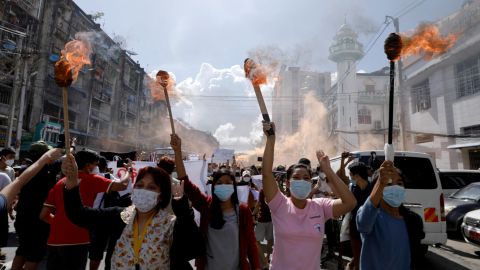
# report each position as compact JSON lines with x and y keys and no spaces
{"x":4,"y":180}
{"x":10,"y":172}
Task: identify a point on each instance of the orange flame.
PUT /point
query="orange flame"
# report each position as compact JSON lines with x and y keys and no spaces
{"x":427,"y":40}
{"x":255,"y":72}
{"x":156,"y":87}
{"x":75,"y":54}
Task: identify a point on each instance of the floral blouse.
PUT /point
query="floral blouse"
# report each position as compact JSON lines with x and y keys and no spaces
{"x":155,"y":250}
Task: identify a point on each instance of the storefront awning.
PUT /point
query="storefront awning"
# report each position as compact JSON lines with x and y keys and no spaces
{"x":464,"y":145}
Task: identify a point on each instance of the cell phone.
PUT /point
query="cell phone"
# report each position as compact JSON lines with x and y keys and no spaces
{"x":121,"y":163}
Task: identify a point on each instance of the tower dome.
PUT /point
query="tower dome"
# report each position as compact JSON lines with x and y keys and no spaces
{"x":345,"y":45}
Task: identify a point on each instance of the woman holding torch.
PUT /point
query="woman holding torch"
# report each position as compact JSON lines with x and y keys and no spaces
{"x":300,"y":222}
{"x":226,"y":224}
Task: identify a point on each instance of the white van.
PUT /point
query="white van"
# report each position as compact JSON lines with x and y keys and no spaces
{"x":423,"y":189}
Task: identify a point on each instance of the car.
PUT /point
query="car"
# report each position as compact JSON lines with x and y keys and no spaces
{"x":453,"y":180}
{"x":424,"y":194}
{"x":459,"y":203}
{"x":471,"y":227}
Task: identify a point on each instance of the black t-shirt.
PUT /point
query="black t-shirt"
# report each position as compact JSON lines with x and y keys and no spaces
{"x":35,"y":192}
{"x":361,"y":196}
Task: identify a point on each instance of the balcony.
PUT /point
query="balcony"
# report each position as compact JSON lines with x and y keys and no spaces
{"x":377,"y":98}
{"x":102,"y":96}
{"x":99,"y":115}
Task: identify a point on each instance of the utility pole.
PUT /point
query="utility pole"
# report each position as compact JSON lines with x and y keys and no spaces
{"x":396,"y":24}
{"x":21,"y":109}
{"x":15,"y":90}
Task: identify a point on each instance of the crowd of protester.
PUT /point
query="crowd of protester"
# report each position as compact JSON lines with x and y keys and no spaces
{"x":71,"y":210}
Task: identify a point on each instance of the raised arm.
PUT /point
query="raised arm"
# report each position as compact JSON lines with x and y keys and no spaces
{"x":14,"y":188}
{"x":270,"y":187}
{"x":199,"y":199}
{"x":86,"y":217}
{"x":346,"y":201}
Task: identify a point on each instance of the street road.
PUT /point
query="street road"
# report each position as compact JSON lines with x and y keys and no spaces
{"x":454,"y":255}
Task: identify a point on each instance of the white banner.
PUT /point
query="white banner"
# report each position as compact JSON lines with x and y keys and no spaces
{"x":196,"y":170}
{"x":223,"y":155}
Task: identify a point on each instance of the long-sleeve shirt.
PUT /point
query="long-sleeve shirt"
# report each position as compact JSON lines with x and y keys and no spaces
{"x":248,"y":248}
{"x":385,"y":239}
{"x":187,"y":239}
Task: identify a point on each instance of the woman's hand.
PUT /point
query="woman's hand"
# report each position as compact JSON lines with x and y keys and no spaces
{"x":324,"y":161}
{"x":70,"y":170}
{"x":269,"y":126}
{"x":176,"y":143}
{"x":387,"y":173}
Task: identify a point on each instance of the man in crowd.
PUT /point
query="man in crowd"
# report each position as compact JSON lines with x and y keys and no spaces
{"x":67,"y":243}
{"x":7,"y":158}
{"x":32,"y":244}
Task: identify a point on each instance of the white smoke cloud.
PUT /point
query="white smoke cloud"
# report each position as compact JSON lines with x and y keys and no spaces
{"x":222,"y":102}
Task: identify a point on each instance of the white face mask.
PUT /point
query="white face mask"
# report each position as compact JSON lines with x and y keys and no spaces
{"x":10,"y":162}
{"x":95,"y":170}
{"x":144,"y":200}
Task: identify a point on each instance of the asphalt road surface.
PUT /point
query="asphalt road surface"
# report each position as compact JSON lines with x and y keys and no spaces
{"x":454,"y":255}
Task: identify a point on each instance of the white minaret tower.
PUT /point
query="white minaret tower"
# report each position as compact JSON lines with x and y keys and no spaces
{"x":346,"y":51}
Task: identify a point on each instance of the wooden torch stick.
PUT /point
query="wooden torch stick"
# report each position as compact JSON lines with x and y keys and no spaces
{"x":66,"y":123}
{"x":248,"y":66}
{"x":169,"y":108}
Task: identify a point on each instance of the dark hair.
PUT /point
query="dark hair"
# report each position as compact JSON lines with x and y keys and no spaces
{"x":7,"y":151}
{"x":360,"y":169}
{"x":85,"y":157}
{"x":162,"y":180}
{"x":167,"y":164}
{"x":102,"y":163}
{"x":305,"y":161}
{"x":292,"y":168}
{"x":217,"y":220}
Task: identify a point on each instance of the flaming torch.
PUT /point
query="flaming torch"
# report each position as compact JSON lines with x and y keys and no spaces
{"x":426,"y":40}
{"x":393,"y":49}
{"x":75,"y":54}
{"x":257,"y":76}
{"x":163,"y":78}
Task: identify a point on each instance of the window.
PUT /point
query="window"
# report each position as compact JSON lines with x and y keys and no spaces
{"x":364,"y":116}
{"x":467,"y":77}
{"x":471,"y":130}
{"x":419,"y":172}
{"x":421,"y":96}
{"x":370,"y":88}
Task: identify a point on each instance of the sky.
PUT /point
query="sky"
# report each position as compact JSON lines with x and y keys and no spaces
{"x":203,"y":43}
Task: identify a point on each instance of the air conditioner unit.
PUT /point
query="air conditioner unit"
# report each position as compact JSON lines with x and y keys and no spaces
{"x":377,"y":125}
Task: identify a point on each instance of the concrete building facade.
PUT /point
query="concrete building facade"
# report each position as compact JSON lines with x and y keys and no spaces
{"x":357,"y":102}
{"x":444,"y":95}
{"x":289,"y":93}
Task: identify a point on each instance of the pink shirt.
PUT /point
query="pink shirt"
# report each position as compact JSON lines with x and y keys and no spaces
{"x":298,"y":232}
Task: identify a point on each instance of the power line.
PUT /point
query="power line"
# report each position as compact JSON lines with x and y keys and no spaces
{"x":410,"y":9}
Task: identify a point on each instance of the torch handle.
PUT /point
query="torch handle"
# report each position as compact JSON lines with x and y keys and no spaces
{"x":66,"y":122}
{"x":390,"y":102}
{"x":169,"y":108}
{"x":263,"y":107}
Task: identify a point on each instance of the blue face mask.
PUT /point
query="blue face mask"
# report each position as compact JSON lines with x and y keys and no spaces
{"x":394,"y":195}
{"x":300,"y":189}
{"x":224,"y":192}
{"x":353,"y":181}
